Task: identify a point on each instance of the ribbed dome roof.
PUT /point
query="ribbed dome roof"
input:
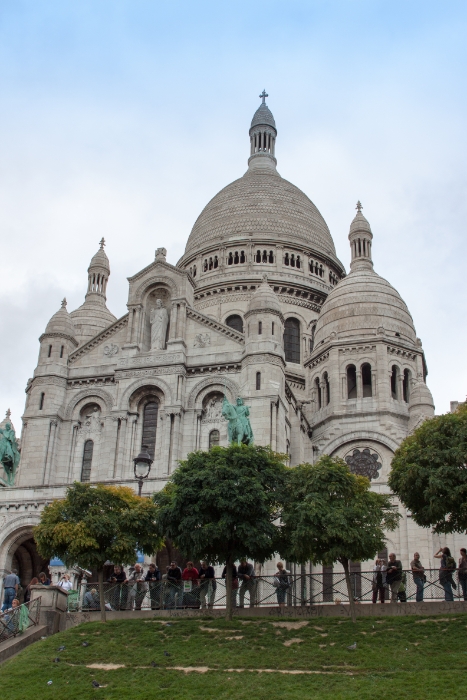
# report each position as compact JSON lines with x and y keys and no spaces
{"x":90,"y":319}
{"x":61,"y":323}
{"x":100,"y":259}
{"x":364,"y":304}
{"x":263,"y":115}
{"x":261,"y":203}
{"x":359,"y":223}
{"x":264,"y":298}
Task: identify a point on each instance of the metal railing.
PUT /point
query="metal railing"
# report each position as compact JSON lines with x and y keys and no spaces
{"x":307,"y":589}
{"x":17,"y":620}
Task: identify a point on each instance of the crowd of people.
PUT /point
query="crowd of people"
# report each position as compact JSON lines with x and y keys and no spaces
{"x":197,"y":587}
{"x":390,"y":580}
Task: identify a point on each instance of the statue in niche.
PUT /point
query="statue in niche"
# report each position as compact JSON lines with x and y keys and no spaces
{"x":92,"y":424}
{"x":9,"y":454}
{"x":239,"y":428}
{"x":159,"y":320}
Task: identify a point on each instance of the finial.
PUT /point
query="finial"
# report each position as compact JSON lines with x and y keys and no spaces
{"x":359,"y":206}
{"x":8,"y":414}
{"x":263,"y":95}
{"x":102,"y":243}
{"x":64,"y":303}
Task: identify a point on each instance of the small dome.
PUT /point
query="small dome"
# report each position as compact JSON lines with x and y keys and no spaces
{"x":90,"y":319}
{"x":100,"y":259}
{"x":264,"y":298}
{"x":359,"y":223}
{"x":364,"y":304}
{"x":263,"y":116}
{"x":61,"y":322}
{"x":420,"y":396}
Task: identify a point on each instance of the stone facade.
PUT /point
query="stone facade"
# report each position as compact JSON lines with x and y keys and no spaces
{"x":259,"y":306}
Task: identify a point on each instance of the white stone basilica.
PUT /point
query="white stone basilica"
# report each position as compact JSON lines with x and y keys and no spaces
{"x":259,"y":306}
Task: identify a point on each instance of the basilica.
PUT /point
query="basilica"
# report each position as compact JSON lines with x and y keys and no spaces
{"x":258,"y":307}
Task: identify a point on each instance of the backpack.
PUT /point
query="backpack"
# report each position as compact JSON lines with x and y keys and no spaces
{"x":451,"y":564}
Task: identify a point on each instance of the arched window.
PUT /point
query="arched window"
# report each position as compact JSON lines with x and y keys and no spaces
{"x":406,"y":385}
{"x":50,"y":351}
{"x":62,"y":347}
{"x":41,"y":401}
{"x":292,"y":340}
{"x":194,"y":270}
{"x":271,"y":256}
{"x":326,"y":383}
{"x":260,"y":327}
{"x":318,"y":393}
{"x":216,"y":261}
{"x":258,"y":381}
{"x":286,"y":259}
{"x":214,"y":438}
{"x":272,"y":331}
{"x":230,"y":259}
{"x":148,"y":437}
{"x":205,"y":267}
{"x":395,"y":382}
{"x":366,"y":380}
{"x":351,"y":382}
{"x":258,"y":256}
{"x":236,"y":258}
{"x":87,"y":460}
{"x":236,"y":322}
{"x":298,"y":261}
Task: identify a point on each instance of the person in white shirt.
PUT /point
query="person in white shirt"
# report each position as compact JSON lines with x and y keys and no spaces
{"x":65,"y":583}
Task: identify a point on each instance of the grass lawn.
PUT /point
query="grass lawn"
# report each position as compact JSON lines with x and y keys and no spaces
{"x":410,"y":657}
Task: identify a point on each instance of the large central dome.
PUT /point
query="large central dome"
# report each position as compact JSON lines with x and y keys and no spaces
{"x":263,"y":204}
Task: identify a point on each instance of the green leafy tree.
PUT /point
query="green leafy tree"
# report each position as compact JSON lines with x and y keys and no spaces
{"x":331,"y":515}
{"x":94,"y":524}
{"x":222,"y":505}
{"x":429,"y":472}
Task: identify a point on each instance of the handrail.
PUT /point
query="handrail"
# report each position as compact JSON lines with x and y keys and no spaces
{"x":17,"y":620}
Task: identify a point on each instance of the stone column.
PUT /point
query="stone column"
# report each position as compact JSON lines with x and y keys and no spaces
{"x":324,"y":394}
{"x":359,"y":384}
{"x":74,"y":437}
{"x":49,"y":455}
{"x":173,"y":322}
{"x":181,"y":320}
{"x":373,"y":382}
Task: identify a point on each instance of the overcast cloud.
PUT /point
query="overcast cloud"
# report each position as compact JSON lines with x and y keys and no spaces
{"x":122,"y":119}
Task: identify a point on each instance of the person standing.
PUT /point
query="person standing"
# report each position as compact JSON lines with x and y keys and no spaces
{"x":281,"y":583}
{"x":448,"y":566}
{"x":153,"y":578}
{"x":246,"y":574}
{"x":379,"y":580}
{"x":234,"y":583}
{"x":65,"y":583}
{"x":190,"y":583}
{"x":27,"y":593}
{"x":174,"y":580}
{"x":207,"y":584}
{"x":462,"y":572}
{"x":138,"y":586}
{"x":419,"y":578}
{"x":11,"y":584}
{"x":394,"y":576}
{"x":119,"y":590}
{"x":43,"y":579}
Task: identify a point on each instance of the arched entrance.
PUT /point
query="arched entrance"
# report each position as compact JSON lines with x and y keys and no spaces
{"x":18,"y":551}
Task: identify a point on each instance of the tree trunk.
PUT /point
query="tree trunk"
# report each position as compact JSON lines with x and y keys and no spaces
{"x":100,"y":578}
{"x":345,"y":564}
{"x":228,"y":588}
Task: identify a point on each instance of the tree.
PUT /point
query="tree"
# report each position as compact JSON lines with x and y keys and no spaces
{"x":94,"y":524}
{"x":429,"y":472}
{"x":222,"y":505}
{"x":331,"y":515}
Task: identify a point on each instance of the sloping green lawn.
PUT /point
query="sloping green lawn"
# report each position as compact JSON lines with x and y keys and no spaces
{"x":410,"y":657}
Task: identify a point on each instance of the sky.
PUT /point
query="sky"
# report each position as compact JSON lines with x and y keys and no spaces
{"x":123,"y":119}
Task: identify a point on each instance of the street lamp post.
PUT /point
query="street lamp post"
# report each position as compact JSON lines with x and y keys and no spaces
{"x":142,"y":467}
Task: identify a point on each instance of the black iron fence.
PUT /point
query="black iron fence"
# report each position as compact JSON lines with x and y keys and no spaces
{"x":17,"y":620}
{"x":308,"y":589}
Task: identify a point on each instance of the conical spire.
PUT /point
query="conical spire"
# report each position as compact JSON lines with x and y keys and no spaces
{"x":360,"y":237}
{"x":263,"y":134}
{"x":98,"y":274}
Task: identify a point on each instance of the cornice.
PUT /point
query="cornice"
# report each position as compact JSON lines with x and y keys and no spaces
{"x":59,"y":335}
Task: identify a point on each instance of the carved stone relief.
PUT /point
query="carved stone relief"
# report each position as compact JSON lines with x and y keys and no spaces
{"x":202,"y":340}
{"x":110,"y":350}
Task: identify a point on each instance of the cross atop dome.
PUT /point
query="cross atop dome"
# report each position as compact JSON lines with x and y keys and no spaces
{"x":102,"y":243}
{"x":263,"y":95}
{"x":64,"y":303}
{"x":359,"y":206}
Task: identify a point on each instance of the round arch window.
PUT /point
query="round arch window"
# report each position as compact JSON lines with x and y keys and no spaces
{"x":236,"y":322}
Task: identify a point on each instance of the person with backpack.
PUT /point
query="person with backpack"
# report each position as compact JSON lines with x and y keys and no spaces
{"x":462,"y":571}
{"x":281,"y":583}
{"x":446,"y":570}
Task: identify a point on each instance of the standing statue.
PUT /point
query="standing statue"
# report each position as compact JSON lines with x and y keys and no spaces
{"x":239,"y":428}
{"x":159,"y":319}
{"x":9,"y":454}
